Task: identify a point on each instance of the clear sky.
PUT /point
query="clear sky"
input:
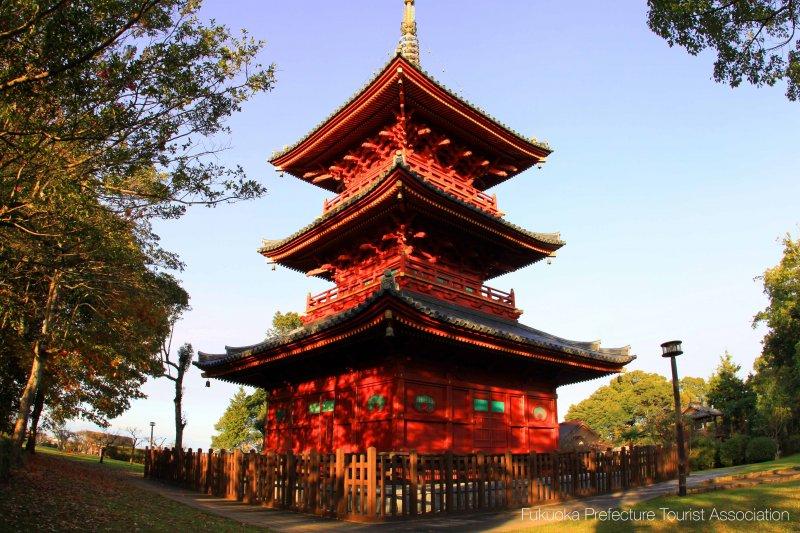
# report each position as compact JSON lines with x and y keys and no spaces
{"x":670,"y":190}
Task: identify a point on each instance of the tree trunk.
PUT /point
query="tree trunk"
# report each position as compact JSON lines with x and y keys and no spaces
{"x":178,"y":405}
{"x":37,"y":366}
{"x":38,"y":405}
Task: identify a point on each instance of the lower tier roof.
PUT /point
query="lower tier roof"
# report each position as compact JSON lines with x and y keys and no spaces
{"x":390,"y":306}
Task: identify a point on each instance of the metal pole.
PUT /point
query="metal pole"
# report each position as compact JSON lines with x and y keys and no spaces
{"x":679,"y":431}
{"x":151,"y":434}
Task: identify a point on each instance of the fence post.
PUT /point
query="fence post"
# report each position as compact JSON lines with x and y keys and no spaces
{"x":291,"y":479}
{"x":481,"y":480}
{"x":313,"y":480}
{"x":250,"y":487}
{"x":372,"y":469}
{"x":341,"y":503}
{"x":412,"y":467}
{"x":556,"y":460}
{"x":508,"y":478}
{"x":448,"y":482}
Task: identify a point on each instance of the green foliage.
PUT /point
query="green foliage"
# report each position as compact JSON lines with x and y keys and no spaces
{"x":778,"y":369}
{"x":106,"y":115}
{"x":236,"y":427}
{"x":635,"y":407}
{"x":693,"y":390}
{"x":284,"y":323}
{"x":732,"y":395}
{"x":761,"y":449}
{"x":257,"y":407}
{"x":754,"y":40}
{"x":703,"y":454}
{"x":733,"y":451}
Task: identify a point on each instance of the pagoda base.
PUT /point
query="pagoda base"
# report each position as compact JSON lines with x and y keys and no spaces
{"x":414,"y":403}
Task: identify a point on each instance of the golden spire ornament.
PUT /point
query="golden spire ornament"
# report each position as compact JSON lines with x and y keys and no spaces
{"x":409,"y":44}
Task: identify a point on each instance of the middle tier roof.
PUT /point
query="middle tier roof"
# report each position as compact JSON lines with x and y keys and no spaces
{"x":401,"y":190}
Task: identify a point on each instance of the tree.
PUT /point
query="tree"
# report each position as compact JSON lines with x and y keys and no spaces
{"x":778,"y":369}
{"x":635,"y":407}
{"x":257,"y":405}
{"x":58,"y":428}
{"x":732,"y":395}
{"x":104,"y":439}
{"x":136,"y":437}
{"x":105,"y":123}
{"x":284,"y":323}
{"x":756,"y":40}
{"x":693,"y":390}
{"x":236,"y":426}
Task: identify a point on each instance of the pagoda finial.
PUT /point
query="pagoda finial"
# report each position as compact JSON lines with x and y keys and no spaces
{"x":409,"y":44}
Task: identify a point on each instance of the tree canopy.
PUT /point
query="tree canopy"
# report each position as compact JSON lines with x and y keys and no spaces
{"x":755,"y":41}
{"x":732,"y":395}
{"x":236,"y":427}
{"x":777,"y":378}
{"x":110,"y":114}
{"x":636,"y":408}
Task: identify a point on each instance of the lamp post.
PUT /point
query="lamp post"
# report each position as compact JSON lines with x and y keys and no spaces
{"x":152,"y":425}
{"x":672,"y":349}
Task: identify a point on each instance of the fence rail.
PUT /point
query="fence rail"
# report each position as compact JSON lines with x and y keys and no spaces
{"x":380,"y":486}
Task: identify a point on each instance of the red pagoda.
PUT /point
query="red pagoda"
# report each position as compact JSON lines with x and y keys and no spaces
{"x":410,"y":350}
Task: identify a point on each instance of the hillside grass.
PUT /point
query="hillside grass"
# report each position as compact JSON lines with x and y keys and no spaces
{"x":64,"y":492}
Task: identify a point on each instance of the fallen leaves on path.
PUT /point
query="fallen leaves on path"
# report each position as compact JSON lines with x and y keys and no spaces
{"x":53,"y":493}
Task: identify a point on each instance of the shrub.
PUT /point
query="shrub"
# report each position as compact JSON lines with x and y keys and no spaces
{"x":733,"y":451}
{"x":703,"y":454}
{"x":790,"y":445}
{"x":761,"y":449}
{"x":5,"y":457}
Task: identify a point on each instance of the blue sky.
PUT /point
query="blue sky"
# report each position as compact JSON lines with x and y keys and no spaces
{"x":670,"y":190}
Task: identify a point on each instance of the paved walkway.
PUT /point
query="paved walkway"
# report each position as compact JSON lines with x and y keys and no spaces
{"x":508,"y":520}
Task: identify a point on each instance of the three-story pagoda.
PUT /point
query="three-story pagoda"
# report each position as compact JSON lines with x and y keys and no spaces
{"x":410,"y":349}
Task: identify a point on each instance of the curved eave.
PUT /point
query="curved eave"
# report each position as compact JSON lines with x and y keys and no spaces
{"x":438,"y":319}
{"x":353,"y":119}
{"x":384,"y":190}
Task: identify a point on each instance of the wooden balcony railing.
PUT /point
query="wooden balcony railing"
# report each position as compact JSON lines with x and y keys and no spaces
{"x":439,"y":176}
{"x":420,"y":276}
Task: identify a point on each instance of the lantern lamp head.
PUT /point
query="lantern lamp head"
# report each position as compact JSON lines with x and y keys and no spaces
{"x":208,"y":383}
{"x":152,"y":424}
{"x":671,"y":349}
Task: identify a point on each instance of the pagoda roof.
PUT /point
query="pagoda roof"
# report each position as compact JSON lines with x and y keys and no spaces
{"x":377,"y":102}
{"x":458,"y":323}
{"x":540,"y":245}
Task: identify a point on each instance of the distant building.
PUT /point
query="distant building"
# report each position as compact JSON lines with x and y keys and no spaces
{"x":91,"y":442}
{"x":576,"y":436}
{"x":705,"y":420}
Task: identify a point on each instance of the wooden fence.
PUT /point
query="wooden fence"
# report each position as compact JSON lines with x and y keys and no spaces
{"x":380,"y":486}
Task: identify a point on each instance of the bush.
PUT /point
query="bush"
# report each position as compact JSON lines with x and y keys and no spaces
{"x":123,"y":453}
{"x":5,"y":457}
{"x":703,"y":454}
{"x":761,"y":449}
{"x":790,"y":445}
{"x":734,"y":450}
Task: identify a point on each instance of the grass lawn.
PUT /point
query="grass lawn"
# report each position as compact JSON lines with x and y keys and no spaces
{"x":111,"y":463}
{"x":694,"y":512}
{"x":790,"y":461}
{"x":58,"y":492}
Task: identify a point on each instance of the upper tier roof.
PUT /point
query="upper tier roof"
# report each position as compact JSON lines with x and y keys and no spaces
{"x":379,"y":101}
